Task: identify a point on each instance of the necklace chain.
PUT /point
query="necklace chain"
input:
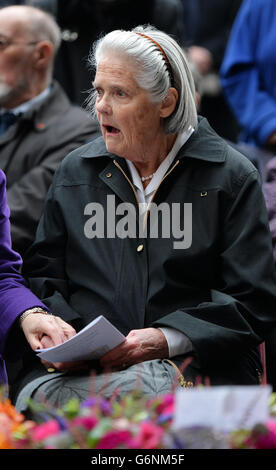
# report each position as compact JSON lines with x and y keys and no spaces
{"x":145,"y":178}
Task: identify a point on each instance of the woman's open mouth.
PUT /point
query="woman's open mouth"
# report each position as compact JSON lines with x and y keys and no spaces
{"x":111,"y":130}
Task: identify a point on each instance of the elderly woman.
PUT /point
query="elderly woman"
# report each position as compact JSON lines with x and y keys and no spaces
{"x":159,"y":226}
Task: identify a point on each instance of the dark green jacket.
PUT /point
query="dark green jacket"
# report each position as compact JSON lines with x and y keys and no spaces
{"x":220,"y":291}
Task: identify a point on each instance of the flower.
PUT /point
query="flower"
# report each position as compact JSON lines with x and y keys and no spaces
{"x":10,"y":421}
{"x":263,"y":436}
{"x":8,"y":409}
{"x":89,"y":402}
{"x":272,"y":403}
{"x":166,"y":405}
{"x":42,"y":431}
{"x":132,"y":421}
{"x":114,"y":439}
{"x":87,"y":422}
{"x":148,"y":437}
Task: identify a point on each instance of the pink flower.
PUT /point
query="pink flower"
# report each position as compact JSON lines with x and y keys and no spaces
{"x":87,"y":422}
{"x":264,"y":436}
{"x":42,"y":431}
{"x":167,"y":405}
{"x":148,"y":437}
{"x":114,"y":439}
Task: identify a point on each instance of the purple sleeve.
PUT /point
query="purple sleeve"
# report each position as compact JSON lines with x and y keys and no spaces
{"x":15,"y":297}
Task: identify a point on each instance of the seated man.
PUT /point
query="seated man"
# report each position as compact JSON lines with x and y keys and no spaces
{"x":44,"y":125}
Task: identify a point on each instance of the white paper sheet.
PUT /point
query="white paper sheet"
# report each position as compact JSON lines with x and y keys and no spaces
{"x":90,"y":343}
{"x":224,"y":408}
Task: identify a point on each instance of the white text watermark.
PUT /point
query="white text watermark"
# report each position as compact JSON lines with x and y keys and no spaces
{"x":159,"y":221}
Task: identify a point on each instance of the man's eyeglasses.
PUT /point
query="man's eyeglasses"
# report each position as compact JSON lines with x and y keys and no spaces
{"x":5,"y":42}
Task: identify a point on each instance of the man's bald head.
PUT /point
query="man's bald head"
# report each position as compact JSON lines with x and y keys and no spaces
{"x":35,"y":23}
{"x":29,"y":41}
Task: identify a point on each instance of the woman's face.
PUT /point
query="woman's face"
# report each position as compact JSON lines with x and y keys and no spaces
{"x":129,"y":121}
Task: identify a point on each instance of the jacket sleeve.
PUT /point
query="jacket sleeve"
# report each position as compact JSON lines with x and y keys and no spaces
{"x":26,"y":196}
{"x":241,"y":79}
{"x":242,"y":306}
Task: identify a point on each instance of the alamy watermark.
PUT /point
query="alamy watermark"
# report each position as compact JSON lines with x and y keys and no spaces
{"x":160,"y":221}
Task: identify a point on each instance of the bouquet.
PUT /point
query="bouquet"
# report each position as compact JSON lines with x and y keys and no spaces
{"x":129,"y":422}
{"x":132,"y":422}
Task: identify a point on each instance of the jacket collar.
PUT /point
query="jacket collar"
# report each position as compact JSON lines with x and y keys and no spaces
{"x":49,"y":110}
{"x":42,"y":115}
{"x":204,"y":144}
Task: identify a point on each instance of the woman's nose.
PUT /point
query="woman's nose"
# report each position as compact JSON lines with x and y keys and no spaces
{"x":103,"y":106}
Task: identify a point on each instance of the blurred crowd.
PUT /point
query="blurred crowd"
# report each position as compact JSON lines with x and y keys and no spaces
{"x":201,"y":27}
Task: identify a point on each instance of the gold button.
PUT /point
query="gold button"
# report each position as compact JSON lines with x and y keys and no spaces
{"x":108,"y":175}
{"x":140,"y":248}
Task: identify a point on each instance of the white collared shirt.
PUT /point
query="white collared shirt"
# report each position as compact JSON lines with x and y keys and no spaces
{"x":145,"y":195}
{"x":178,"y":343}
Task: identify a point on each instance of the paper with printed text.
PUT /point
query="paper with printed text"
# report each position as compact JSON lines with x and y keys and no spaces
{"x":92,"y":342}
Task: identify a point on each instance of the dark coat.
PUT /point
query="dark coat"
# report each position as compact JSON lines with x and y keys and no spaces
{"x":208,"y":24}
{"x":220,"y":291}
{"x":30,"y":152}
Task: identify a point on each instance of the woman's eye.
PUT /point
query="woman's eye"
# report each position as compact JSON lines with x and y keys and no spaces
{"x":121,"y":93}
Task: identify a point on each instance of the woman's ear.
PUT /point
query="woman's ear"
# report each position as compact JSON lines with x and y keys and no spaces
{"x":169,"y":103}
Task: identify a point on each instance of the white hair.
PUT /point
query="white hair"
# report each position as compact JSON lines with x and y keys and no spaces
{"x":152,"y":72}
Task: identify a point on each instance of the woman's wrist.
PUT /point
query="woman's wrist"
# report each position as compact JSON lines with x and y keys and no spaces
{"x":30,"y":311}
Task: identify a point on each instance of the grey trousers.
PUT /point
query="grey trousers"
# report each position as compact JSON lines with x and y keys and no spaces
{"x":153,"y":378}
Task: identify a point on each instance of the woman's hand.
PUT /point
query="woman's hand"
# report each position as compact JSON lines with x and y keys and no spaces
{"x":139,"y":346}
{"x":44,"y":331}
{"x":41,"y":329}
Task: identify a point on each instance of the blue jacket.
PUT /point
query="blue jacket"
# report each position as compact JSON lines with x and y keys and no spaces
{"x":15,"y":297}
{"x":248,"y":72}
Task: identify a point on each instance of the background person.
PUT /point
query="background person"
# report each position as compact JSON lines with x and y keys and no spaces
{"x":248,"y":73}
{"x":207,"y":26}
{"x":43,"y":126}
